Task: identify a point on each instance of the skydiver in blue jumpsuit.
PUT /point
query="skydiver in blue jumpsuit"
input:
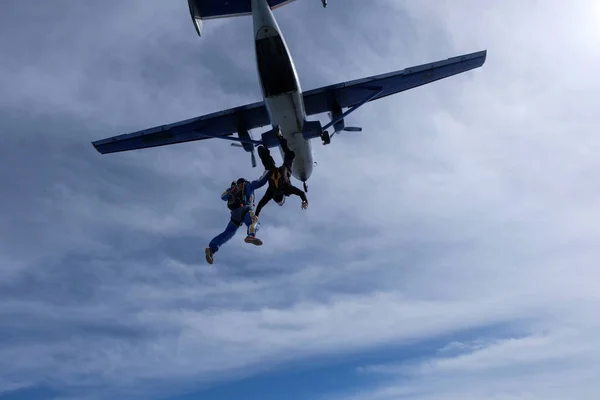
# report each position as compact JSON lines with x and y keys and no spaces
{"x":240,"y":200}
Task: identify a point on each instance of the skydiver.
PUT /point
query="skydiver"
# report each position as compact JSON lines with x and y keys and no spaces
{"x":280,"y":185}
{"x":240,"y":200}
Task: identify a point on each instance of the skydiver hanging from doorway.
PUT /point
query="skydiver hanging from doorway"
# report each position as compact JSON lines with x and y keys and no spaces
{"x":240,"y":200}
{"x":280,"y":185}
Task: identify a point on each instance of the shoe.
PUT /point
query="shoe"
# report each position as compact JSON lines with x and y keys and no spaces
{"x":253,"y":240}
{"x":209,"y":255}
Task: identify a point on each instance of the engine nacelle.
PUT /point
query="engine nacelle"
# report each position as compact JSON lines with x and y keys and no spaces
{"x":245,"y":135}
{"x":334,"y":113}
{"x":312,"y":130}
{"x":340,"y":125}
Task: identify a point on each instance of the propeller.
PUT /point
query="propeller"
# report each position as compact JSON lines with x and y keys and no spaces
{"x":347,"y":129}
{"x":340,"y":125}
{"x":344,"y":128}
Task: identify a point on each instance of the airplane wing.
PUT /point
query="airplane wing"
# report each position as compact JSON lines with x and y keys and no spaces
{"x":220,"y":124}
{"x":225,"y":123}
{"x":351,"y":93}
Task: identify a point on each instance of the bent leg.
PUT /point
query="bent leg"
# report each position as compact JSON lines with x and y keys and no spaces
{"x":252,"y":224}
{"x":288,"y":154}
{"x":223,"y":237}
{"x":252,"y":227}
{"x":265,"y":157}
{"x":291,"y":189}
{"x":284,"y":144}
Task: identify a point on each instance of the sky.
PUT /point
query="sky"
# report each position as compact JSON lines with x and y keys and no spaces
{"x":449,"y":251}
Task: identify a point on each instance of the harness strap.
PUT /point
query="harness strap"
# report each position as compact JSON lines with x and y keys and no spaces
{"x":238,"y":215}
{"x":276,"y":177}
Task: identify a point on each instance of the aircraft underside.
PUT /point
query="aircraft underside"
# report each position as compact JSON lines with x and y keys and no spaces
{"x":285,"y":105}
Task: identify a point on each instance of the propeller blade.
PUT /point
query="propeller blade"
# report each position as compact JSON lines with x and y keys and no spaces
{"x":236,"y":145}
{"x":253,"y":157}
{"x":353,"y":129}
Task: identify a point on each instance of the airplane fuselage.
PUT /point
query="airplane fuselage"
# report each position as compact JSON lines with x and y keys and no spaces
{"x":280,"y":85}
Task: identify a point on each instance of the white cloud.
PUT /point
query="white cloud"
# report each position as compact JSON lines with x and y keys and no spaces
{"x":465,"y":203}
{"x":546,"y":364}
{"x":517,"y":189}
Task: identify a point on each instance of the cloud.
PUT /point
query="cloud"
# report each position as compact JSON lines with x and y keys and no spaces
{"x":464,"y":205}
{"x":554,"y":364}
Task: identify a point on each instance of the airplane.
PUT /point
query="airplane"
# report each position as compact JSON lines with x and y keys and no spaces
{"x":285,"y":106}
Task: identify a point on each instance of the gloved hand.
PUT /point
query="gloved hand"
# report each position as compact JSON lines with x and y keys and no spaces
{"x":304,"y":205}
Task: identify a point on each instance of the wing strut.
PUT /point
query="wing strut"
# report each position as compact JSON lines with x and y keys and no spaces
{"x":326,"y":137}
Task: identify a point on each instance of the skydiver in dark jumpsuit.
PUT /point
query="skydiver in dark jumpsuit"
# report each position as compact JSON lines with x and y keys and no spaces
{"x":280,"y":185}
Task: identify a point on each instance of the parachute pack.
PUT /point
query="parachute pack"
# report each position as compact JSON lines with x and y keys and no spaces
{"x":236,"y":198}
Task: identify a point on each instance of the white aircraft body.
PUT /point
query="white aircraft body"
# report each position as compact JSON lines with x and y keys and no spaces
{"x":285,"y":106}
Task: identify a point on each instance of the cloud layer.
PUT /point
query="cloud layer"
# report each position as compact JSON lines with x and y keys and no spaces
{"x":465,"y":210}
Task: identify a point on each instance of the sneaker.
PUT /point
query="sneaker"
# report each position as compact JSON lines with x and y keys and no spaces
{"x":209,"y":255}
{"x":253,"y":240}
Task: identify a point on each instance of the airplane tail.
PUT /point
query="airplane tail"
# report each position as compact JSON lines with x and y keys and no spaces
{"x":212,"y":9}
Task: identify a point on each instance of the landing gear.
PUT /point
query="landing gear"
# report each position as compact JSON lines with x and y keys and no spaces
{"x":305,"y":188}
{"x":324,"y":3}
{"x":325,"y":137}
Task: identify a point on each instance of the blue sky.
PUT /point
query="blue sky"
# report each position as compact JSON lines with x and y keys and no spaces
{"x":450,"y":250}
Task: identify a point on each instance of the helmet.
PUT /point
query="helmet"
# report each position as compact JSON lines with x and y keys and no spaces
{"x":241,"y":181}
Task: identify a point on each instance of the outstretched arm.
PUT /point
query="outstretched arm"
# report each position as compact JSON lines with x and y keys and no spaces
{"x":294,"y":190}
{"x":263,"y":202}
{"x":260,"y":182}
